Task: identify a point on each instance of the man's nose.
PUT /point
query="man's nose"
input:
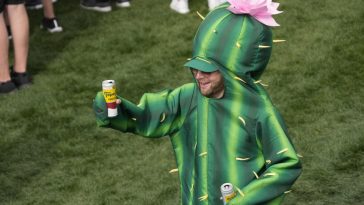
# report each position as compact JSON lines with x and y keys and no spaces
{"x":199,"y":75}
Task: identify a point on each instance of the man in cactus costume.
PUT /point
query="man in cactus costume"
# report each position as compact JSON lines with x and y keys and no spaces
{"x":223,"y":127}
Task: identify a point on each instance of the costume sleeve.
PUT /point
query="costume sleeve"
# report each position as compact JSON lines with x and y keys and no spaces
{"x":282,"y":166}
{"x":157,"y":114}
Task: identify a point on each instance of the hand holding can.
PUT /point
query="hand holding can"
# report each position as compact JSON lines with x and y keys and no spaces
{"x":109,"y":92}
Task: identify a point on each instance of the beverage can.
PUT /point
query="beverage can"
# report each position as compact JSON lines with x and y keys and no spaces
{"x":227,"y":192}
{"x":109,"y":92}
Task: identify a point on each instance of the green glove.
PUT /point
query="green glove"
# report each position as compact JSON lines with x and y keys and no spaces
{"x":100,"y":109}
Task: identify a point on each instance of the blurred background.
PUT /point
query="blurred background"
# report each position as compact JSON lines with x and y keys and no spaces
{"x":51,"y":151}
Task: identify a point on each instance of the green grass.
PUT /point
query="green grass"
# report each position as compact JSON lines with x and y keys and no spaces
{"x":51,"y":151}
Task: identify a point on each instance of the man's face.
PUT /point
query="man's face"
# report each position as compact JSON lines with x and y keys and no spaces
{"x":211,"y":84}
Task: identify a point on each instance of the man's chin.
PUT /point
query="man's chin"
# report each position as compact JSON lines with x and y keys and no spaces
{"x":205,"y":93}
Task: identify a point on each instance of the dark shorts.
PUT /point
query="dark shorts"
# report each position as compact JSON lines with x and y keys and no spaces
{"x":2,"y":5}
{"x":7,"y":2}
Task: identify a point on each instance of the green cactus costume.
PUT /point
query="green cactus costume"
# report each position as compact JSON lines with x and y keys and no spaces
{"x":240,"y":138}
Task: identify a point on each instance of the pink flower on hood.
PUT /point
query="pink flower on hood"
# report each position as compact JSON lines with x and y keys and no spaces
{"x":261,"y":10}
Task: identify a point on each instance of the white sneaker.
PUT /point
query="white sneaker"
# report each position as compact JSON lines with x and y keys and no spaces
{"x":123,"y":3}
{"x":214,"y":3}
{"x":51,"y":25}
{"x":180,"y":6}
{"x":96,"y":5}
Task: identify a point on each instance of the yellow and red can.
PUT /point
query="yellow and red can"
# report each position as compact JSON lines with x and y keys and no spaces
{"x":109,"y":91}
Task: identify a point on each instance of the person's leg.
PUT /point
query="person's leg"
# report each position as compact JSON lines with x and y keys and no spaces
{"x":4,"y":53}
{"x":50,"y":21}
{"x":19,"y":24}
{"x":6,"y":85}
{"x":48,"y":9}
{"x":7,"y":24}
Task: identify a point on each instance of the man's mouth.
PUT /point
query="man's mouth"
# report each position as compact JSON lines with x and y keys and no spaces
{"x":204,"y":85}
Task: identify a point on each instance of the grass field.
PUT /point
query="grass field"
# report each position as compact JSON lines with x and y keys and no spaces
{"x":51,"y":151}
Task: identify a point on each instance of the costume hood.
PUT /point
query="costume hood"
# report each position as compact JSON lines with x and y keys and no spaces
{"x":236,"y":44}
